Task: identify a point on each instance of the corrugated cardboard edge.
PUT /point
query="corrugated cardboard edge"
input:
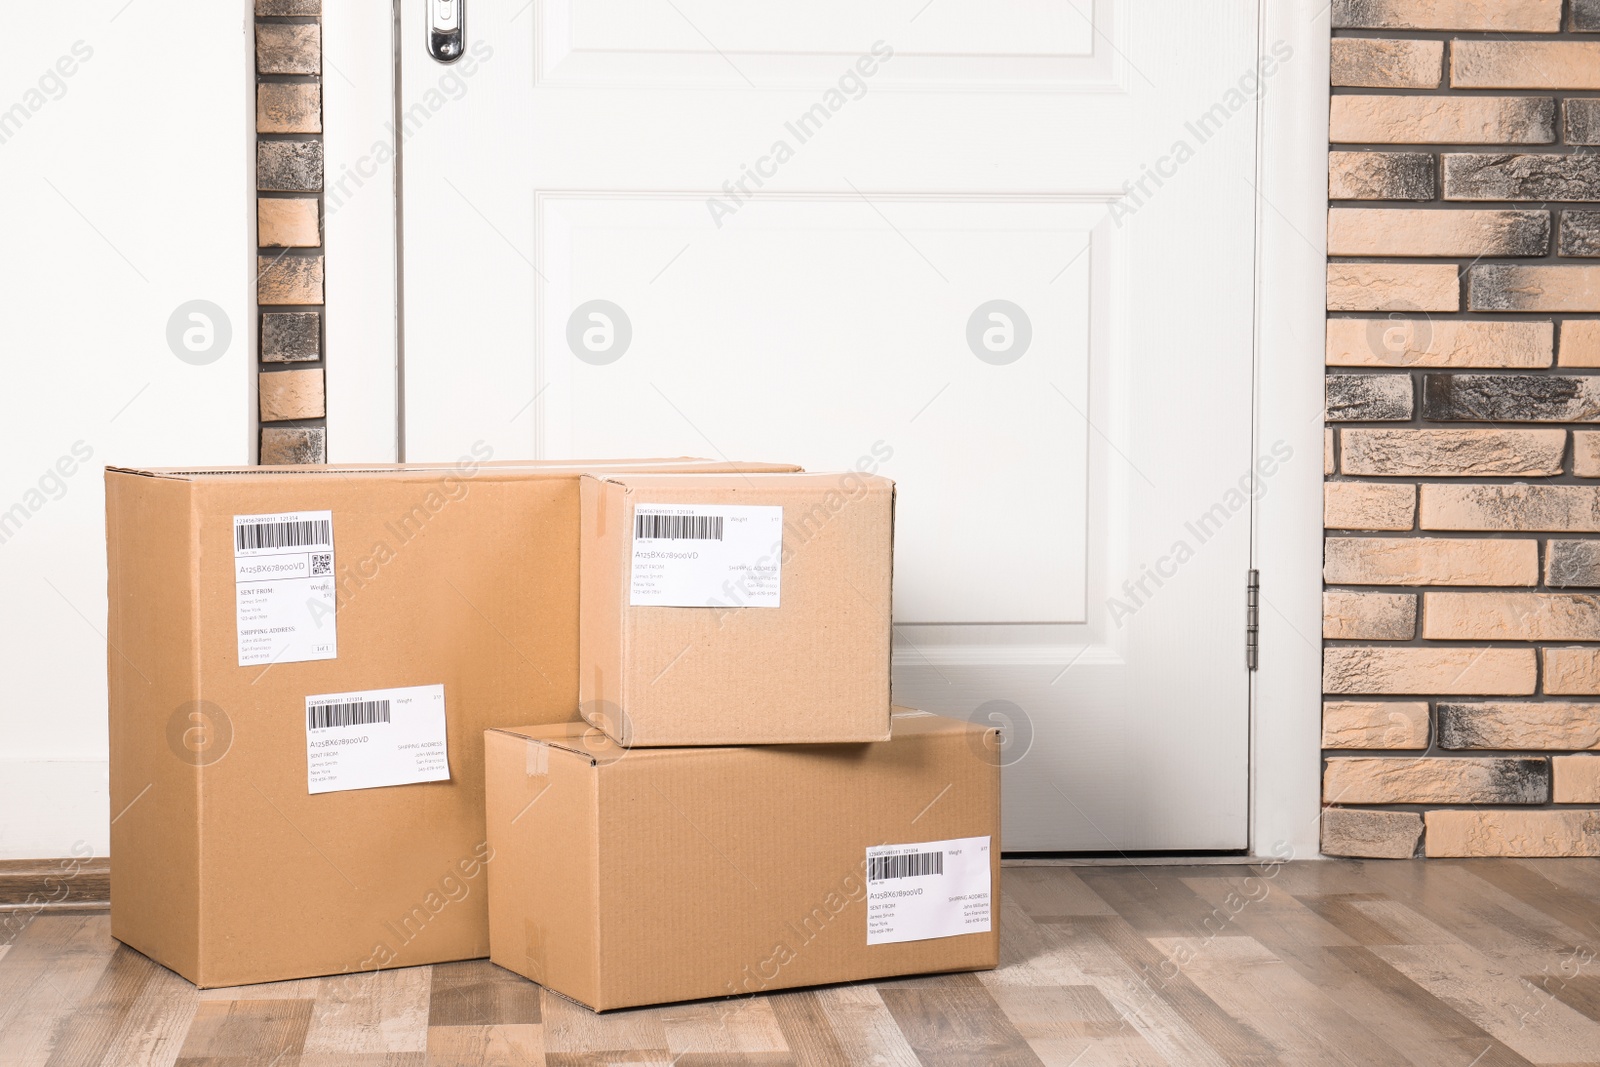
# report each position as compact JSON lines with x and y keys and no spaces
{"x":136,"y":719}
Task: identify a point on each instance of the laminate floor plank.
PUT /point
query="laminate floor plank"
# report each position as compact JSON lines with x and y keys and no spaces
{"x":1152,"y":900}
{"x":46,"y":975}
{"x":1302,"y":1023}
{"x":1160,"y":982}
{"x":952,"y":1021}
{"x":246,"y":1033}
{"x":806,"y":1030}
{"x":486,"y":1045}
{"x":863,"y":1025}
{"x":1510,"y":1009}
{"x":1045,"y":892}
{"x":1455,"y":963}
{"x":379,"y":1014}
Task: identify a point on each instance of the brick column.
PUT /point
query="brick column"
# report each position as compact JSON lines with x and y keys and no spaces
{"x":289,"y":230}
{"x":1461,"y":616}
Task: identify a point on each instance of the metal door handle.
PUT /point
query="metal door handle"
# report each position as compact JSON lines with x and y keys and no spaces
{"x":447,"y":29}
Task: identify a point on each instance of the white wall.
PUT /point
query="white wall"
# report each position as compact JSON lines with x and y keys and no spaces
{"x":126,"y":177}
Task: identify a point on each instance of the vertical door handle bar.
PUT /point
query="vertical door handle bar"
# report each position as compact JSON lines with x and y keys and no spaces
{"x":447,"y":29}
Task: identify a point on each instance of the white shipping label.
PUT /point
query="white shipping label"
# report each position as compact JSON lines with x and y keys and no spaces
{"x":927,"y":890}
{"x":283,"y":587}
{"x":706,"y":555}
{"x":376,"y":738}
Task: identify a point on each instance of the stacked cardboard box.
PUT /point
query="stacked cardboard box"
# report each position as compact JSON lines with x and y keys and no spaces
{"x":741,"y":813}
{"x":677,"y":671}
{"x":244,"y":605}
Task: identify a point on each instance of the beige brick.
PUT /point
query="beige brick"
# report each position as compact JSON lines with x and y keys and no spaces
{"x":293,"y":445}
{"x":1368,"y":834}
{"x":1383,"y":63}
{"x":1351,"y":616}
{"x":1328,"y":464}
{"x":1389,"y":231}
{"x":1377,"y":119}
{"x":1572,"y":672}
{"x":1512,"y":287}
{"x":286,"y":279}
{"x":1453,"y":453}
{"x":1435,"y":780}
{"x":1424,"y":342}
{"x":1580,"y":343}
{"x":288,"y":107}
{"x":1511,"y":617}
{"x":1393,"y":287}
{"x":1441,"y":671}
{"x":1513,"y":16}
{"x":1557,"y":508}
{"x":1575,"y":779}
{"x":1586,"y":453}
{"x":1557,"y":725}
{"x":1375,"y":724}
{"x":1430,"y":561}
{"x":1553,"y":832}
{"x":291,"y":394}
{"x":287,"y":223}
{"x":1368,"y":506}
{"x":288,"y":48}
{"x":1547,"y":65}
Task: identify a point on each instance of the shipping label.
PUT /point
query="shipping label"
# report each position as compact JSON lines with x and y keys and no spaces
{"x":284,"y":587}
{"x":375,"y":738}
{"x":927,"y":890}
{"x":706,"y":555}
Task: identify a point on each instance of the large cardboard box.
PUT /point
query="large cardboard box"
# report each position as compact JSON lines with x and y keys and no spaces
{"x":447,"y":600}
{"x":644,"y":876}
{"x":738,"y":609}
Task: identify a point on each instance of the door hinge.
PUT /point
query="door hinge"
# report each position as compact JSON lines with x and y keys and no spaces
{"x":1252,"y":619}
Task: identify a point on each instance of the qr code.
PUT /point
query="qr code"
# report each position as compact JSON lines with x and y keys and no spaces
{"x":321,"y":563}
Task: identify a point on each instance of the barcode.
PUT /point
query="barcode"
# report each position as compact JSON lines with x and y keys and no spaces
{"x":911,"y":865}
{"x":679,"y":527}
{"x":355,"y":713}
{"x":283,"y":534}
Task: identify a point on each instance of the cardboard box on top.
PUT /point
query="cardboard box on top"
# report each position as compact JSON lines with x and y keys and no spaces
{"x":736,"y":609}
{"x":644,"y":876}
{"x":302,"y":664}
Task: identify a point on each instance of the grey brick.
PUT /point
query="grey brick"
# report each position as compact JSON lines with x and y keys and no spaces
{"x":288,"y":48}
{"x":1510,"y":398}
{"x":1519,"y":725}
{"x":1530,"y":176}
{"x":291,"y":336}
{"x":1369,"y":397}
{"x":1572,"y":564}
{"x":289,"y":166}
{"x":1583,"y":120}
{"x":1580,"y":233}
{"x":288,"y":7}
{"x":1380,"y":176}
{"x":1371,"y":834}
{"x":1510,"y":287}
{"x":293,"y":444}
{"x":1584,"y":16}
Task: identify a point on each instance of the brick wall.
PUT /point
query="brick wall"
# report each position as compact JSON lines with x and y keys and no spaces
{"x":1462,"y":563}
{"x":289,"y":230}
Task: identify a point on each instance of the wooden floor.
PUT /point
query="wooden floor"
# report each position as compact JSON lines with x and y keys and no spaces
{"x":1474,"y":963}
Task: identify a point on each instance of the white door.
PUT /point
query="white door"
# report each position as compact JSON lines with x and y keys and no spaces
{"x":1000,"y":252}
